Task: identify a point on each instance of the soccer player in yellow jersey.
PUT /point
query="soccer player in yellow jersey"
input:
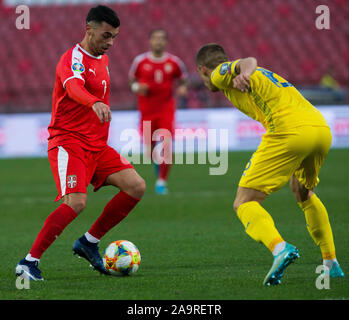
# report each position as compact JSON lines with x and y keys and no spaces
{"x":293,"y":149}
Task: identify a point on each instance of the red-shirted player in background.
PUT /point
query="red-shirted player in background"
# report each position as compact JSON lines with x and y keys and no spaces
{"x":77,"y":148}
{"x":152,"y":76}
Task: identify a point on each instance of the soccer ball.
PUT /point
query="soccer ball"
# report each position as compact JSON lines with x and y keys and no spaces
{"x":121,"y":258}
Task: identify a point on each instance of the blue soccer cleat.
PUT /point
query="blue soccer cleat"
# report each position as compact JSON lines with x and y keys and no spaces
{"x":29,"y":270}
{"x":160,"y":188}
{"x":335,"y":271}
{"x":89,"y":251}
{"x":281,"y":262}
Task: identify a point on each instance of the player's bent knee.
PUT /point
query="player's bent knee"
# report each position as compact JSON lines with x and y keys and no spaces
{"x":247,"y":195}
{"x":236,"y":205}
{"x":250,"y":195}
{"x":77,"y":201}
{"x":80,"y":206}
{"x":136,"y":188}
{"x":238,"y":202}
{"x":139,"y":187}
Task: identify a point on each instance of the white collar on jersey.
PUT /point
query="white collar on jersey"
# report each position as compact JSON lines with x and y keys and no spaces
{"x":151,"y":57}
{"x":89,"y":54}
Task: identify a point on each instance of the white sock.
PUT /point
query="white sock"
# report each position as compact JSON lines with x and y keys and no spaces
{"x":91,"y":238}
{"x":279,"y":247}
{"x":329,"y":262}
{"x":30,"y":258}
{"x":161,"y":182}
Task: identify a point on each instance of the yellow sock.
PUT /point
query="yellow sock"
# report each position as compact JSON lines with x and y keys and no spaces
{"x":319,"y":226}
{"x":259,"y":225}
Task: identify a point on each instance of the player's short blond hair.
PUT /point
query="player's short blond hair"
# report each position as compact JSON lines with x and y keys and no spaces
{"x":211,"y":55}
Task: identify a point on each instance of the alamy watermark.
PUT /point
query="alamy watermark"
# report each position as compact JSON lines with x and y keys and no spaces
{"x":23,"y":281}
{"x":211,"y":144}
{"x":323,"y":280}
{"x":23,"y":19}
{"x":323,"y":20}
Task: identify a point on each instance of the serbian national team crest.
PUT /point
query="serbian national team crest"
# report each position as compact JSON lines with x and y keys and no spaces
{"x":147,"y":67}
{"x":168,"y":67}
{"x":78,"y":67}
{"x":72,"y":181}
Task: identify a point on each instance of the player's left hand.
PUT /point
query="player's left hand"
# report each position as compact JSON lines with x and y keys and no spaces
{"x":242,"y":82}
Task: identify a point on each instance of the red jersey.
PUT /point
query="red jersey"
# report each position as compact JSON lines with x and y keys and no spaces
{"x":159,"y":74}
{"x":72,"y":122}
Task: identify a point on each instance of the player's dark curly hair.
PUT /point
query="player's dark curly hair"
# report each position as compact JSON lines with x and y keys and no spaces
{"x":103,"y":13}
{"x":211,"y":55}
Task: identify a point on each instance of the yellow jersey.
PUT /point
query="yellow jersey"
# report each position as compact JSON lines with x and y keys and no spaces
{"x":271,"y":100}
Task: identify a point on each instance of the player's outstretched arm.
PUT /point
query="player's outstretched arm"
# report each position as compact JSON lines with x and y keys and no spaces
{"x":244,"y":69}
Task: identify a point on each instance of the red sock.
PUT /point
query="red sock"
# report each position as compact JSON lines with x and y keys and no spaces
{"x":54,"y":224}
{"x":116,"y":210}
{"x":164,"y":170}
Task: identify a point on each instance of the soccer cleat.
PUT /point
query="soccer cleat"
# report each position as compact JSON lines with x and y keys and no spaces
{"x":29,"y":270}
{"x":89,"y":251}
{"x":160,"y":188}
{"x":281,"y":262}
{"x":336,"y":271}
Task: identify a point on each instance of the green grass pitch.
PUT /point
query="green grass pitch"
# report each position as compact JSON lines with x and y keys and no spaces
{"x":192,"y":244}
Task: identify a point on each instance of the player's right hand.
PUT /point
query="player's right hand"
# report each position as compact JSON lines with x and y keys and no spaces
{"x":102,"y":111}
{"x":242,"y":82}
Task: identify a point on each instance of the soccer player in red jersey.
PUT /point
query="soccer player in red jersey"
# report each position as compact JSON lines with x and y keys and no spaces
{"x":78,"y":150}
{"x":152,"y":76}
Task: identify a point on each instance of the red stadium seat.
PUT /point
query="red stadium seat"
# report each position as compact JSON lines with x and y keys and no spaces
{"x":281,"y":34}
